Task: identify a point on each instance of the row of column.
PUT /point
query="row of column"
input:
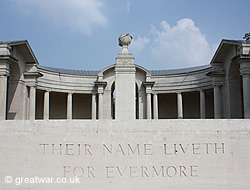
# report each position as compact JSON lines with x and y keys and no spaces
{"x":149,"y":106}
{"x":3,"y":101}
{"x":69,"y":105}
{"x":246,"y":98}
{"x":217,"y":103}
{"x":32,"y":103}
{"x":179,"y":106}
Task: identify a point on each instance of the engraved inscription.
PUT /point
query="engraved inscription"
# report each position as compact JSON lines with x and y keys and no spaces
{"x":194,"y":148}
{"x":150,"y":155}
{"x":137,"y":149}
{"x":66,"y":149}
{"x":124,"y":61}
{"x":152,"y":171}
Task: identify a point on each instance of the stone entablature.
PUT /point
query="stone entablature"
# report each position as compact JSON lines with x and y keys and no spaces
{"x":186,"y":82}
{"x":62,"y":82}
{"x":66,"y":82}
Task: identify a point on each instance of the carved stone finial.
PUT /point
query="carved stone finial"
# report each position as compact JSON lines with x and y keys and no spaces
{"x":124,"y":41}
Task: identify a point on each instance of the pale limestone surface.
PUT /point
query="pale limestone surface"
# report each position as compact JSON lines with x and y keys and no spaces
{"x":127,"y":155}
{"x":125,"y":91}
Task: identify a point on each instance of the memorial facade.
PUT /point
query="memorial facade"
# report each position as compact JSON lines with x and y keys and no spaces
{"x":125,"y":90}
{"x":125,"y":127}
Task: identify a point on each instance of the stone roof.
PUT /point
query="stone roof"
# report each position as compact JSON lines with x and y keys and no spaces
{"x":236,"y":41}
{"x":178,"y":71}
{"x":69,"y":71}
{"x":13,"y":42}
{"x":153,"y":72}
{"x":26,"y":50}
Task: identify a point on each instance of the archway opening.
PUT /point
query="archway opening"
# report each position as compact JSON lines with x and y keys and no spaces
{"x":113,"y":101}
{"x":136,"y":102}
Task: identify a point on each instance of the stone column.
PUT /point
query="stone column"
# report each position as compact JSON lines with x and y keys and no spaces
{"x":218,"y":77}
{"x":149,"y":107}
{"x":149,"y":86}
{"x":202,"y":105}
{"x":32,"y":103}
{"x":244,"y":61}
{"x":46,"y":106}
{"x":155,"y":106}
{"x":69,"y":106}
{"x":100,"y":90}
{"x":125,"y":89}
{"x":179,"y":106}
{"x":217,"y":102}
{"x":3,"y":97}
{"x":141,"y":104}
{"x":246,"y":95}
{"x":94,"y":106}
{"x":100,"y":106}
{"x":30,"y":76}
{"x":5,"y":62}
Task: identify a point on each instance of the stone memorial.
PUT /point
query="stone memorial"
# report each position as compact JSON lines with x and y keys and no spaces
{"x":125,"y":127}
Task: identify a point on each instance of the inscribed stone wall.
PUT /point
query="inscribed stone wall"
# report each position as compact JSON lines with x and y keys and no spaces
{"x":141,"y":154}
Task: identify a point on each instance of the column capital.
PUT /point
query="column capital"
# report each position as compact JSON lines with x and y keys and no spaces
{"x":245,"y":67}
{"x":94,"y":92}
{"x":217,"y":84}
{"x":5,"y":63}
{"x":48,"y":90}
{"x":31,"y":78}
{"x":218,"y":77}
{"x":100,"y":86}
{"x":31,"y":74}
{"x":148,"y":86}
{"x":243,"y":59}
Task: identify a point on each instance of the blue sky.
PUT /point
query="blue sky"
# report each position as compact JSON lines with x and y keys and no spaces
{"x":82,"y":34}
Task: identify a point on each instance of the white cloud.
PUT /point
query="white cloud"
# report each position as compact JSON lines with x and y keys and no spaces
{"x":182,"y":45}
{"x":76,"y":15}
{"x":139,"y":44}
